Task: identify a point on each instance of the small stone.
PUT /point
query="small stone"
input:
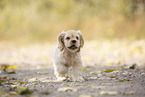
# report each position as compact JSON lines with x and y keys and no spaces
{"x":63,"y":89}
{"x":86,"y":96}
{"x":99,"y":75}
{"x":42,"y":72}
{"x":33,"y":79}
{"x":108,"y":92}
{"x":143,"y":74}
{"x":129,"y":93}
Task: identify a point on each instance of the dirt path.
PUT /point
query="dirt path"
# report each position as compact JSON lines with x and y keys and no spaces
{"x":115,"y":81}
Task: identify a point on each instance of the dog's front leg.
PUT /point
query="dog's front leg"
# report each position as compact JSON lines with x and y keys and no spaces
{"x":77,"y":72}
{"x":60,"y":70}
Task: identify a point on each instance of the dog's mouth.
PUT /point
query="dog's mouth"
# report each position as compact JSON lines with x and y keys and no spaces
{"x":73,"y":47}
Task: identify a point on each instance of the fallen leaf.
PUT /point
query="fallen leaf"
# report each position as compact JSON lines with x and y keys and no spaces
{"x":108,"y":92}
{"x":95,"y":72}
{"x":116,"y":69}
{"x":19,"y":82}
{"x":113,"y":76}
{"x":36,"y":83}
{"x":109,"y":70}
{"x":85,"y":69}
{"x":120,"y":80}
{"x":63,"y":89}
{"x":129,"y":80}
{"x":100,"y":83}
{"x":13,"y":93}
{"x":2,"y":80}
{"x":133,"y":66}
{"x":10,"y":71}
{"x":109,"y":64}
{"x":12,"y":67}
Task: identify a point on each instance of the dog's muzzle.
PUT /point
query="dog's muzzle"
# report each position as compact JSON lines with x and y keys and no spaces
{"x":73,"y":47}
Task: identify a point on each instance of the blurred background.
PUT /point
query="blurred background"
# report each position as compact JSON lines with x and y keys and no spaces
{"x":118,"y":24}
{"x":42,"y":20}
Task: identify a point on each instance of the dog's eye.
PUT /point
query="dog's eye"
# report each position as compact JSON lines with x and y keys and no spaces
{"x":77,"y":37}
{"x":68,"y":38}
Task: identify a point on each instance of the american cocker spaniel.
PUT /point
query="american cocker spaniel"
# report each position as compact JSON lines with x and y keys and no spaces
{"x":66,"y":54}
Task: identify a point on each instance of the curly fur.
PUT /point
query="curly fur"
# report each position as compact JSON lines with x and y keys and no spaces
{"x":66,"y":54}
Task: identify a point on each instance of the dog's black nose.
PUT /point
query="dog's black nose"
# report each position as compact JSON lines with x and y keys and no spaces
{"x":73,"y":41}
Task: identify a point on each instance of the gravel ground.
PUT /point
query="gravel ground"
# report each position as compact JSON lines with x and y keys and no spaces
{"x":114,"y":68}
{"x":116,"y":81}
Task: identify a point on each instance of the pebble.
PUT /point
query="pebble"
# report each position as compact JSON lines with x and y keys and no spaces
{"x":129,"y":93}
{"x":86,"y":96}
{"x":108,"y":92}
{"x":99,"y":75}
{"x":63,"y":89}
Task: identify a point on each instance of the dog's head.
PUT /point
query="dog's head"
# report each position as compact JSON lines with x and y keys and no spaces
{"x":71,"y":40}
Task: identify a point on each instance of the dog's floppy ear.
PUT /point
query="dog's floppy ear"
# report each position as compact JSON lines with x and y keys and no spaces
{"x":60,"y":40}
{"x":81,"y":39}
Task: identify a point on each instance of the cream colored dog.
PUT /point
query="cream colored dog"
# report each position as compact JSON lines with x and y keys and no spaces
{"x":67,"y":54}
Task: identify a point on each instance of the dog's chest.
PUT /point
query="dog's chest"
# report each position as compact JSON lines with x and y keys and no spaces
{"x":70,"y":59}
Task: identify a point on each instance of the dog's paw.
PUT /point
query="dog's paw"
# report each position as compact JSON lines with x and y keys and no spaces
{"x":61,"y":78}
{"x":79,"y":79}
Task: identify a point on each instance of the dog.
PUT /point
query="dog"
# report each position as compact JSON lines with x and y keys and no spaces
{"x":66,"y":54}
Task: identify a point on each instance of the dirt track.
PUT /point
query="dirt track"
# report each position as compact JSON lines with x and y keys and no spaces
{"x":117,"y":83}
{"x":33,"y":72}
